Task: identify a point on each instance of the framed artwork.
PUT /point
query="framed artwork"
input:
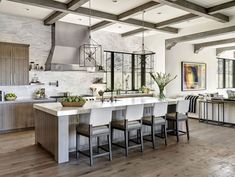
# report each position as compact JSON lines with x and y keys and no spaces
{"x":193,"y":76}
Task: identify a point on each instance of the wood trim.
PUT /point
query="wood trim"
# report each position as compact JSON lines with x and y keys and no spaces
{"x":173,"y":41}
{"x":199,"y":47}
{"x":223,"y":49}
{"x":15,"y":44}
{"x":55,"y":16}
{"x":138,"y":9}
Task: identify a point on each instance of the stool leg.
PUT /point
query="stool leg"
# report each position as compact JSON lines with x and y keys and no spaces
{"x":98,"y":144}
{"x":153,"y":135}
{"x":77,"y":145}
{"x":165,"y":134}
{"x":187,"y":129}
{"x":126,"y":141}
{"x":110,"y":146}
{"x":111,"y":135}
{"x":141,"y":140}
{"x":91,"y":151}
{"x":177,"y":130}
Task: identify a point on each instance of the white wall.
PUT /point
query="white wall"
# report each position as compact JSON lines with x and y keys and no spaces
{"x":185,"y":52}
{"x":30,"y":31}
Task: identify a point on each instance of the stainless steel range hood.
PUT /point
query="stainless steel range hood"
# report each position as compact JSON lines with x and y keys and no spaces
{"x":66,"y":39}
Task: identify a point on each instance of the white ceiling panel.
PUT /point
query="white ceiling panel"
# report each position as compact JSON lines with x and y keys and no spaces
{"x":209,"y":3}
{"x":78,"y":19}
{"x":230,"y":12}
{"x":23,"y":10}
{"x":161,"y":14}
{"x":119,"y":28}
{"x":190,"y":23}
{"x":148,"y":33}
{"x":115,"y":7}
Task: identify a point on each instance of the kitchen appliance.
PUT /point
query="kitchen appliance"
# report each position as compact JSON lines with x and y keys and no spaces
{"x":2,"y":96}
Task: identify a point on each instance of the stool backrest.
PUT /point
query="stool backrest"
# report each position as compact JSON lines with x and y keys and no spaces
{"x":160,"y":109}
{"x":134,"y":112}
{"x":100,"y":116}
{"x":182,"y":106}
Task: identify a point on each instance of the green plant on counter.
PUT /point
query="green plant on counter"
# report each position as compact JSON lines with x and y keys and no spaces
{"x":73,"y":99}
{"x":144,"y":89}
{"x":10,"y":97}
{"x":162,"y":80}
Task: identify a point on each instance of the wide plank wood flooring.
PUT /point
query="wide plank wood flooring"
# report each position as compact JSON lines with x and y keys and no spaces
{"x":210,"y":153}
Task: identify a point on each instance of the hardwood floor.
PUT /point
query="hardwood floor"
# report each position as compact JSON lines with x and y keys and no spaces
{"x":210,"y":153}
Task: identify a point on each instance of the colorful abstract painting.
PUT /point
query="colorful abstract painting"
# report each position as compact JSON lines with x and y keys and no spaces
{"x":193,"y":76}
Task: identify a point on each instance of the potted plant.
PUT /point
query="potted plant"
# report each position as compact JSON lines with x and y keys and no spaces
{"x":162,"y":80}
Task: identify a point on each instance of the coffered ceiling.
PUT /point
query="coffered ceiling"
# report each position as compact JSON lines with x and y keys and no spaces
{"x":157,"y":15}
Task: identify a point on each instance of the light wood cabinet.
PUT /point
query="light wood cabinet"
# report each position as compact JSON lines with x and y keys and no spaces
{"x":14,"y":64}
{"x":16,"y":116}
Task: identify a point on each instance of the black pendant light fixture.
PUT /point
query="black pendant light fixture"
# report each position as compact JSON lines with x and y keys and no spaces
{"x":143,"y":50}
{"x":91,"y":53}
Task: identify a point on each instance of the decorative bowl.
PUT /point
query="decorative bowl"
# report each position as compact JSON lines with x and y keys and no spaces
{"x":72,"y":104}
{"x":10,"y":98}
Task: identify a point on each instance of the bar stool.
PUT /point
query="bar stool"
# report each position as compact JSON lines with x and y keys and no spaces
{"x":180,"y":115}
{"x":132,"y":121}
{"x":157,"y":119}
{"x":99,"y":125}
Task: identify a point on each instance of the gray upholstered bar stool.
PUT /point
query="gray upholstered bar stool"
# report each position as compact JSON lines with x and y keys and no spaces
{"x":99,"y":125}
{"x":132,"y":121}
{"x":180,"y":115}
{"x":157,"y":119}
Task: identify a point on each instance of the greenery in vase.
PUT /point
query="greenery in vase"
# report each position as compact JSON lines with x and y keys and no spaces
{"x":162,"y":80}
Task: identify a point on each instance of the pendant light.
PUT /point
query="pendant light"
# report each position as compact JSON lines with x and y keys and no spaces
{"x":91,"y":53}
{"x":143,"y":50}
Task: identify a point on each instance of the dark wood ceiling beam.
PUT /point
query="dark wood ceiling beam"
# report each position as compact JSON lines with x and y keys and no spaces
{"x":75,"y":4}
{"x":136,"y":10}
{"x":55,"y":16}
{"x":199,"y":47}
{"x":176,"y":20}
{"x":58,"y":6}
{"x":128,"y":14}
{"x":194,"y":9}
{"x":173,"y":41}
{"x":133,"y":32}
{"x":221,"y":7}
{"x":101,"y":25}
{"x":219,"y":51}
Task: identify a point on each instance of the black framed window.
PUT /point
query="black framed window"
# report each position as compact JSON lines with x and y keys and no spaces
{"x":226,"y":73}
{"x":127,"y":71}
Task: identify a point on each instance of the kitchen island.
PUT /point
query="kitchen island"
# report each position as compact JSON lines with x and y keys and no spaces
{"x":52,"y":122}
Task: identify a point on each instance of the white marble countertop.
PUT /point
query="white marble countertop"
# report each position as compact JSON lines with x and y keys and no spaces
{"x":29,"y":100}
{"x":57,"y":109}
